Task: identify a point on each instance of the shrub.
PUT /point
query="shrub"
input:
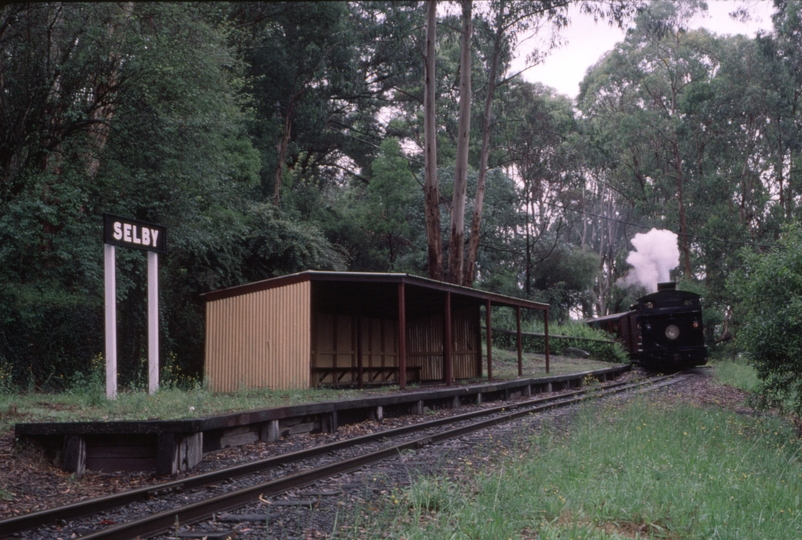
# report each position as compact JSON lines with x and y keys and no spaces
{"x":599,"y":345}
{"x":768,"y":314}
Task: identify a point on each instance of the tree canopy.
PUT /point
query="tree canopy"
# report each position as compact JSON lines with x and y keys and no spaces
{"x":377,"y":136}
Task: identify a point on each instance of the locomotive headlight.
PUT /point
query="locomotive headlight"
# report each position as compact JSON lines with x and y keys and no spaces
{"x":672,"y":331}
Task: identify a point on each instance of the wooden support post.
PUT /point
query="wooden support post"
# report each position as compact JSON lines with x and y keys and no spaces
{"x":334,"y":356}
{"x":489,"y":342}
{"x":455,"y":403}
{"x":376,"y":414}
{"x":402,"y":337}
{"x":328,"y":422}
{"x":190,"y":450}
{"x":417,"y":408}
{"x":269,"y":431}
{"x":546,"y":332}
{"x":74,"y":455}
{"x":165,"y":454}
{"x":359,"y":366}
{"x":381,"y":341}
{"x":518,"y":340}
{"x":478,"y":323}
{"x":178,"y":452}
{"x":478,"y":398}
{"x":313,"y":382}
{"x":448,"y":341}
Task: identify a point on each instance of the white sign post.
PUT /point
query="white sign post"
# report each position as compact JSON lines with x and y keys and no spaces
{"x":111,"y":320}
{"x":153,"y":322}
{"x":136,"y":234}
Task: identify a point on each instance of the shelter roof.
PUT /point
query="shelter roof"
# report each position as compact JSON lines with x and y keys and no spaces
{"x":605,"y":318}
{"x":373,"y":292}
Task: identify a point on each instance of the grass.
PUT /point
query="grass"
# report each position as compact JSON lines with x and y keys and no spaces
{"x":86,"y":400}
{"x":138,"y":405}
{"x":505,"y":365}
{"x":641,"y":470}
{"x":737,"y":374}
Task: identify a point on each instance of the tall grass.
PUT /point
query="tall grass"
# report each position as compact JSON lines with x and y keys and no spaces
{"x":637,"y":471}
{"x":737,"y":374}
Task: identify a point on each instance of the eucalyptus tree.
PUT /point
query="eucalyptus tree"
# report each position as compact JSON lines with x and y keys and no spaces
{"x":508,"y":21}
{"x":764,"y":288}
{"x":71,"y":75}
{"x":61,"y":81}
{"x":543,"y":147}
{"x":431,"y":186}
{"x":505,"y":23}
{"x":457,"y":236}
{"x":647,"y":91}
{"x":697,"y":134}
{"x":780,"y":56}
{"x":601,"y":221}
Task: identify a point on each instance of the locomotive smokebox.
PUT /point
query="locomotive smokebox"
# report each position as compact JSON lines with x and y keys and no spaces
{"x":667,"y":286}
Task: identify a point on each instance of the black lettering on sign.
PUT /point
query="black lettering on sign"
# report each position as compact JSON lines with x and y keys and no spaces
{"x":133,"y":233}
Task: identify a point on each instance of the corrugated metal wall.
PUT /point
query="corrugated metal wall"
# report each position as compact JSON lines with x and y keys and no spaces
{"x":259,"y":340}
{"x":425,"y":345}
{"x":334,"y":353}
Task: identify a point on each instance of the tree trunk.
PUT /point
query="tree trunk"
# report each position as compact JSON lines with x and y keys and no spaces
{"x":457,"y":241}
{"x":479,"y":199}
{"x":105,"y":89}
{"x":55,"y":106}
{"x":281,"y":148}
{"x":683,"y":224}
{"x":430,"y":186}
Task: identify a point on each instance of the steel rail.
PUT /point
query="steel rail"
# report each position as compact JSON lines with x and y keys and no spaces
{"x":38,"y":519}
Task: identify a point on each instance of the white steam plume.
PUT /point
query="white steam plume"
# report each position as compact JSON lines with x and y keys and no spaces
{"x":656,"y":254}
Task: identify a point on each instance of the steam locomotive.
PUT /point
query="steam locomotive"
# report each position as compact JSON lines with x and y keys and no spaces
{"x":662,"y":331}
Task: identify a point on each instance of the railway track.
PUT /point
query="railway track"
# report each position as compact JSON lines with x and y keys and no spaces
{"x":201,"y":497}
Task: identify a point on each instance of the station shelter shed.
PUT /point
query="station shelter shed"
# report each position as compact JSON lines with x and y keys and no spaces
{"x":317,"y":328}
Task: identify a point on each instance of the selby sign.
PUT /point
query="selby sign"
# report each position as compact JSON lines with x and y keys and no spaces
{"x":133,"y":233}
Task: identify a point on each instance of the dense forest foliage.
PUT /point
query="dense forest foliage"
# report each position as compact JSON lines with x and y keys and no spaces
{"x":277,"y":137}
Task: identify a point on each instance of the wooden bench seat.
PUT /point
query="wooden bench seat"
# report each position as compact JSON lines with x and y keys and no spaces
{"x":374,"y":373}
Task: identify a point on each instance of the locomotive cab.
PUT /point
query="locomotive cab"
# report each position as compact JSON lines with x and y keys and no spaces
{"x":671,"y":332}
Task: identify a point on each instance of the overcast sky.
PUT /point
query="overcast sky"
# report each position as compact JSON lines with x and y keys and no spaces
{"x":588,"y":41}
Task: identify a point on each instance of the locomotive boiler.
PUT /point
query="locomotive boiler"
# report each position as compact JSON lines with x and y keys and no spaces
{"x":663,"y":330}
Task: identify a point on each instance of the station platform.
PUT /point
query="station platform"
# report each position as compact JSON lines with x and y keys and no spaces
{"x":173,"y":446}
